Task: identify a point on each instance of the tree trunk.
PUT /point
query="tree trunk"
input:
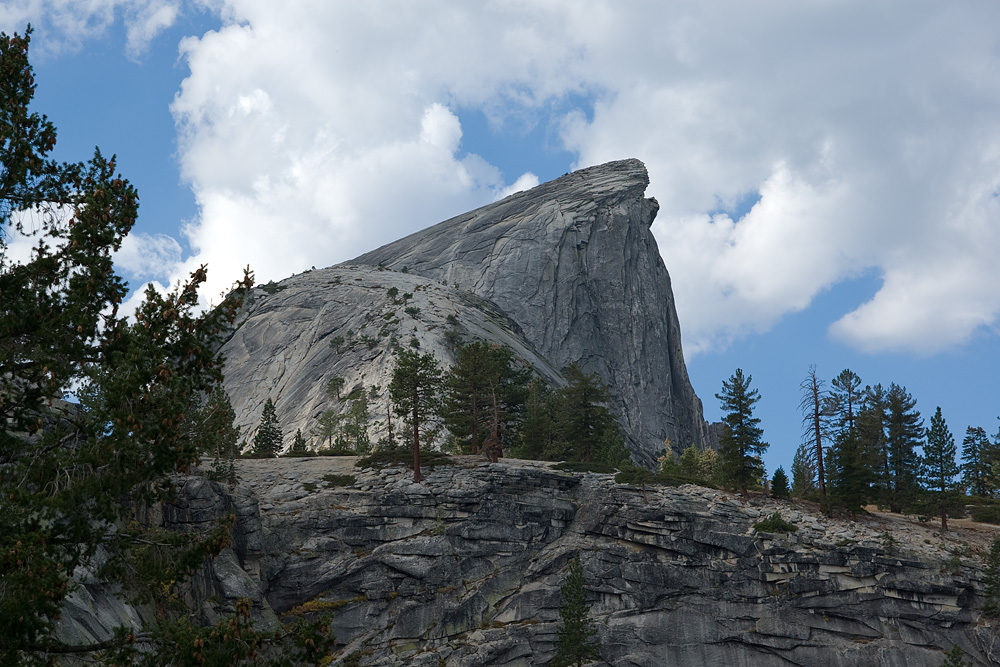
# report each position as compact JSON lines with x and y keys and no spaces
{"x":417,"y":477}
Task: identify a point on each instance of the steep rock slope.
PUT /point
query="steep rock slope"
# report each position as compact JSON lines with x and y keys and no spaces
{"x":295,"y":336}
{"x":574,"y":264}
{"x":465,"y":568}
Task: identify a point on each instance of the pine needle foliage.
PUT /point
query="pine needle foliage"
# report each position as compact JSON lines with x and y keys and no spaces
{"x":574,"y":645}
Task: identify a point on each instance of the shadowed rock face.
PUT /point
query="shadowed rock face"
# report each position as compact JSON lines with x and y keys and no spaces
{"x":574,"y":263}
{"x":464,"y":569}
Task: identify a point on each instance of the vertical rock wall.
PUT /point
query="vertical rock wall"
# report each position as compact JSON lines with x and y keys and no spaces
{"x":573,"y":262}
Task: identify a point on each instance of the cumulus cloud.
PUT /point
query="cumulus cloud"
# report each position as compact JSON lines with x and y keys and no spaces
{"x":867,"y":136}
{"x":65,"y":25}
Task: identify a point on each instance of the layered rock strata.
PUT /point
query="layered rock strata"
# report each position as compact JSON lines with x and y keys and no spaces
{"x":465,"y":569}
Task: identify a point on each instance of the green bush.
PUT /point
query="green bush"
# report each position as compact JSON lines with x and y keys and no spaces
{"x":339,"y":480}
{"x":638,"y":476}
{"x":775,"y":524}
{"x":986,"y":514}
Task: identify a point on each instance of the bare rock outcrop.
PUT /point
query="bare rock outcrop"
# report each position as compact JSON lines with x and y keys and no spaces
{"x":464,"y":569}
{"x":573,"y":262}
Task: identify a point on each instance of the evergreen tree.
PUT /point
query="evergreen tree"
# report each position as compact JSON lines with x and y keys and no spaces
{"x":220,"y":437}
{"x":803,"y":477}
{"x":355,"y":425}
{"x":484,"y":392}
{"x":904,"y":432}
{"x":991,"y":581}
{"x":415,"y":394}
{"x":72,"y":475}
{"x":843,"y":402}
{"x":815,"y":405}
{"x":939,"y":467}
{"x":740,"y":445}
{"x":979,"y":463}
{"x":779,"y":483}
{"x":574,"y":645}
{"x":299,"y":445}
{"x":583,"y":417}
{"x":872,"y":422}
{"x":954,"y":658}
{"x":267,"y":441}
{"x":697,"y":463}
{"x":850,"y":474}
{"x":537,"y":436}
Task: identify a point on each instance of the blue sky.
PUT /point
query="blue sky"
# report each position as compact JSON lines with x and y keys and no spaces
{"x":828,"y":173}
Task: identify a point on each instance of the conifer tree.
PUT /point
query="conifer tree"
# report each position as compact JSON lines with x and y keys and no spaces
{"x":267,"y":441}
{"x":803,"y":478}
{"x":583,"y":416}
{"x":71,"y":476}
{"x":843,"y":402}
{"x":574,"y":645}
{"x":219,"y":435}
{"x":991,"y":581}
{"x":815,"y":411}
{"x":740,"y":445}
{"x":872,"y":422}
{"x":299,"y":445}
{"x":537,"y":436}
{"x":979,"y":463}
{"x":904,"y":432}
{"x":482,"y":387}
{"x":415,"y":393}
{"x":850,"y":474}
{"x":954,"y":658}
{"x":779,"y":483}
{"x":939,"y":467}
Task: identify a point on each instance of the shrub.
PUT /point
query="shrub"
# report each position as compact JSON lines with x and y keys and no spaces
{"x":775,"y":524}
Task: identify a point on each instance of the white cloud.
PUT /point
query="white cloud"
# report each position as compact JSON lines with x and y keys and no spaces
{"x":65,"y":25}
{"x":145,"y":256}
{"x":313,"y":131}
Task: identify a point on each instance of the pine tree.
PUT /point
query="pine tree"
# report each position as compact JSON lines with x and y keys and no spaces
{"x":415,"y":394}
{"x":484,"y":391}
{"x":815,"y":406}
{"x":991,"y":581}
{"x":779,"y":483}
{"x":939,"y":468}
{"x":536,"y":438}
{"x":583,"y":416}
{"x":299,"y":446}
{"x":574,"y":645}
{"x":72,"y":476}
{"x":220,"y":436}
{"x":267,"y":441}
{"x":843,"y":402}
{"x":979,"y":463}
{"x":872,"y":422}
{"x":954,"y":658}
{"x":803,"y":477}
{"x":850,"y":475}
{"x":355,"y":425}
{"x":741,"y":444}
{"x":904,"y":432}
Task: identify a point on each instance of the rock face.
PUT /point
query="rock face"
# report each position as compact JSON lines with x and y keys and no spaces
{"x":465,"y":569}
{"x":574,"y":263}
{"x":297,"y":335}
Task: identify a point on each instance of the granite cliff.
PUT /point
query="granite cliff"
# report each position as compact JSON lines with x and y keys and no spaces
{"x":565,"y":272}
{"x":464,"y":569}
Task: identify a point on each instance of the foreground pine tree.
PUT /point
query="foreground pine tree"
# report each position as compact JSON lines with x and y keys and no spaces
{"x":72,"y":477}
{"x":741,"y":445}
{"x":415,"y":393}
{"x":574,"y":646}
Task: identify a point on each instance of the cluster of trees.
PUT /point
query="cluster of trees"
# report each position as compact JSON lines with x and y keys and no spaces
{"x":870,"y":445}
{"x":491,"y":404}
{"x":74,"y":478}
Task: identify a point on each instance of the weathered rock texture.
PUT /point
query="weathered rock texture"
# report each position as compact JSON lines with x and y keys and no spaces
{"x":574,"y":263}
{"x":297,"y":335}
{"x":465,"y":569}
